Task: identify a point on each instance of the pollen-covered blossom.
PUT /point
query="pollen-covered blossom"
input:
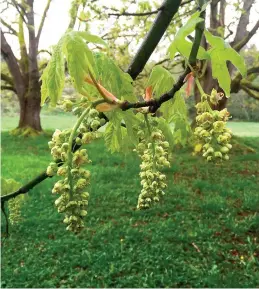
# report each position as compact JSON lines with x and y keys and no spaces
{"x":73,"y":197}
{"x":211,"y":131}
{"x":154,"y":156}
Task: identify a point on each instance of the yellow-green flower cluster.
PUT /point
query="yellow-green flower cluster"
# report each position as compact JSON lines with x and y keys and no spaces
{"x":211,"y":131}
{"x":73,"y":199}
{"x":89,"y":127}
{"x":154,"y":156}
{"x":59,"y":148}
{"x":15,"y":204}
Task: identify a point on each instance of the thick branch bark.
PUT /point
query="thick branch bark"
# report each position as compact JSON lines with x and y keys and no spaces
{"x":20,"y":9}
{"x":247,"y":37}
{"x":235,"y":83}
{"x":12,"y":64}
{"x":33,"y":51}
{"x":7,"y":79}
{"x":250,"y":85}
{"x":243,"y":22}
{"x":250,"y":92}
{"x":73,"y":17}
{"x":24,"y":61}
{"x":153,"y":37}
{"x":8,"y":87}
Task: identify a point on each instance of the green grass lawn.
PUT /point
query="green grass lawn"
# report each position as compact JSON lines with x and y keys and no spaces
{"x":203,"y":234}
{"x":63,"y":121}
{"x":48,"y":121}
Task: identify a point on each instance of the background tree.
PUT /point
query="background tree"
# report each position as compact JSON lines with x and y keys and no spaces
{"x":23,"y":75}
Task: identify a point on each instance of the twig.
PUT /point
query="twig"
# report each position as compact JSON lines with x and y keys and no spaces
{"x":135,"y":13}
{"x":196,"y":247}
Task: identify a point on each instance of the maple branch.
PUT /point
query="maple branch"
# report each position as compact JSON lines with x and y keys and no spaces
{"x":13,"y":31}
{"x":154,"y":104}
{"x":153,"y":37}
{"x":235,"y":83}
{"x":6,"y":78}
{"x":250,"y":85}
{"x":43,"y":20}
{"x":248,"y":36}
{"x":250,"y":92}
{"x":8,"y":87}
{"x":242,"y":35}
{"x":12,"y":64}
{"x":136,"y":13}
{"x":20,"y":9}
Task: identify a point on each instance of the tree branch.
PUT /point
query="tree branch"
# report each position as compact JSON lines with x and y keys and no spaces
{"x":8,"y":87}
{"x":13,"y":31}
{"x":73,"y":14}
{"x":136,"y":13}
{"x":241,"y":31}
{"x":250,"y":92}
{"x":6,"y":78}
{"x":235,"y":83}
{"x":45,"y":51}
{"x":153,"y":37}
{"x":186,"y":2}
{"x":154,"y":104}
{"x":12,"y":64}
{"x":250,"y":85}
{"x":248,"y":36}
{"x":20,"y":9}
{"x":43,"y":20}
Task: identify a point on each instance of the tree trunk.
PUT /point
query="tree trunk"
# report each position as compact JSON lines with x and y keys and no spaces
{"x":30,"y":111}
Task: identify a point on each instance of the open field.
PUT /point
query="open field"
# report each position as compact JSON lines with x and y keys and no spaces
{"x":203,"y":234}
{"x":62,"y":121}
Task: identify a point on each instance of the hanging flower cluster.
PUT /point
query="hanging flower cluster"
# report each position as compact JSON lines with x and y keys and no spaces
{"x":153,"y":152}
{"x":73,"y":199}
{"x":211,"y":130}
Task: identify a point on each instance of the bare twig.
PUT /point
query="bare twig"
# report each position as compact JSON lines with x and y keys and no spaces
{"x":135,"y":13}
{"x":43,"y":20}
{"x":11,"y":29}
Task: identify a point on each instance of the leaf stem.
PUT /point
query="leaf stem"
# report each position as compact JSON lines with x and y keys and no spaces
{"x":153,"y":145}
{"x":70,"y":148}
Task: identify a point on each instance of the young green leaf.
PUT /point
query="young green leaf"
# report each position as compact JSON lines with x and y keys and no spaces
{"x":167,"y":130}
{"x":113,"y":78}
{"x":161,"y":80}
{"x":220,"y":53}
{"x":53,"y":77}
{"x":182,"y":129}
{"x":92,"y":38}
{"x":181,"y":45}
{"x":79,"y":57}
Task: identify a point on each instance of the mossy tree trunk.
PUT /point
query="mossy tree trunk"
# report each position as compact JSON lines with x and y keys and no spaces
{"x":30,"y":112}
{"x":25,"y":75}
